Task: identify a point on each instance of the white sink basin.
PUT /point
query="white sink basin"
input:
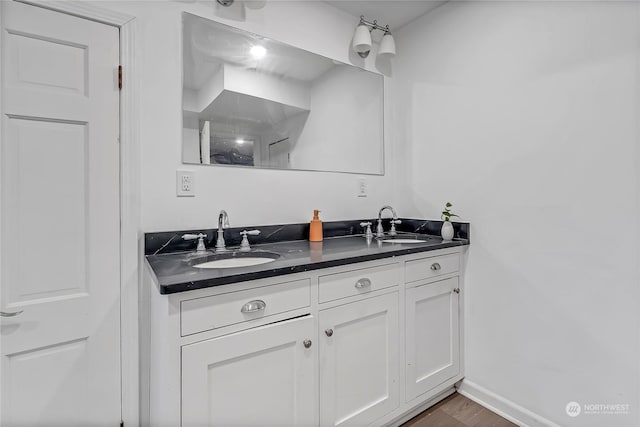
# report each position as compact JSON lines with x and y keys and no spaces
{"x":236,"y":260}
{"x":403,"y":241}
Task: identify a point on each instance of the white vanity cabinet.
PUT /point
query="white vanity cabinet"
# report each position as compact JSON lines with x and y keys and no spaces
{"x":367,"y":343}
{"x":359,"y":348}
{"x":261,"y":376}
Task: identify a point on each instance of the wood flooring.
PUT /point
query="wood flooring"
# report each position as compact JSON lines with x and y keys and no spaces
{"x":458,"y":411}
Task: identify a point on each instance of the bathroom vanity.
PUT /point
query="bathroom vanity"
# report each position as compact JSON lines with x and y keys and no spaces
{"x":351,"y":331}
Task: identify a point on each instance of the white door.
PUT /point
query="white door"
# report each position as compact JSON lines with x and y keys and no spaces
{"x":260,"y":377}
{"x":433,"y":335}
{"x":280,"y":154}
{"x":60,"y":214}
{"x":359,"y":361}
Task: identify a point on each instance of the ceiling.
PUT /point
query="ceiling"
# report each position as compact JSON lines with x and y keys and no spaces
{"x":207,"y":44}
{"x":394,"y":13}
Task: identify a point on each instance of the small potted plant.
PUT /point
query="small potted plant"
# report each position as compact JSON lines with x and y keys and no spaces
{"x":447,"y":227}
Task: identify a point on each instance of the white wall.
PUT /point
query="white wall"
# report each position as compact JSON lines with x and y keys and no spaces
{"x":525,"y":116}
{"x":250,"y":196}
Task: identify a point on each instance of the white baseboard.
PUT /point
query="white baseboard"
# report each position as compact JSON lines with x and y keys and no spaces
{"x":502,"y":406}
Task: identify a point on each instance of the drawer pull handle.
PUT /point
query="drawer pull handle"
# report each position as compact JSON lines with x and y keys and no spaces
{"x":329,"y":332}
{"x":456,"y":290}
{"x":306,"y":343}
{"x":363,"y":283}
{"x":253,"y":306}
{"x":435,"y":267}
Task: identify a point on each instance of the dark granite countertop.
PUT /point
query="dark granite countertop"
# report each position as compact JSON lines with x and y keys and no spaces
{"x":174,"y":272}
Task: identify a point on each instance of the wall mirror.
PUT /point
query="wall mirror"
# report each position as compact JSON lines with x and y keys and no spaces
{"x":249,"y":101}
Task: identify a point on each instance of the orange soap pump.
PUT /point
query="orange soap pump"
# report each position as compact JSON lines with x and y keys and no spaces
{"x":315,"y":228}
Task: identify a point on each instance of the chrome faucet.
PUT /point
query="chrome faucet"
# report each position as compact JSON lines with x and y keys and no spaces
{"x":394,"y":221}
{"x":223,"y":221}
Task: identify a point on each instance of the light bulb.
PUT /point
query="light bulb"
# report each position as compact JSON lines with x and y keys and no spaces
{"x":257,"y":51}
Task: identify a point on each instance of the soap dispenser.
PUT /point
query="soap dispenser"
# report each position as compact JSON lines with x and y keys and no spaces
{"x":315,"y":228}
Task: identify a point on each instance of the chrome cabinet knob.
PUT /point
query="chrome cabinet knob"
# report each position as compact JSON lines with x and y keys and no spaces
{"x":329,"y":332}
{"x":435,"y":267}
{"x":306,"y":343}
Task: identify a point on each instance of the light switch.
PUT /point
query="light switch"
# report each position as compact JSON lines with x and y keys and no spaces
{"x":362,"y":187}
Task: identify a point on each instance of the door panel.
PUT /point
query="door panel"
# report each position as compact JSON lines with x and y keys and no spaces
{"x":59,"y":219}
{"x":67,"y":75}
{"x":280,"y":368}
{"x":58,"y":398}
{"x":39,"y":184}
{"x":432,"y":336}
{"x":359,"y":361}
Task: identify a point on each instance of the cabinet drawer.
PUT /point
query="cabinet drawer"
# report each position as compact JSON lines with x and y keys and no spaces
{"x":356,"y":282}
{"x":426,"y":268}
{"x":207,"y":313}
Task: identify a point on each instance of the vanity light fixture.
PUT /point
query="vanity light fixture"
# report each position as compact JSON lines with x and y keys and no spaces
{"x":239,"y":141}
{"x":362,"y":39}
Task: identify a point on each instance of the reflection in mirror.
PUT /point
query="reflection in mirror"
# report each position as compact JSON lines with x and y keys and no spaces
{"x":254,"y":102}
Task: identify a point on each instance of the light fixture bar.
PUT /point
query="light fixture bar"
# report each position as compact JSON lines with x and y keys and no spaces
{"x":374,"y":25}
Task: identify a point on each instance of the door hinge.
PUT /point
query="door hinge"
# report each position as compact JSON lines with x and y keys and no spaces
{"x":120,"y":77}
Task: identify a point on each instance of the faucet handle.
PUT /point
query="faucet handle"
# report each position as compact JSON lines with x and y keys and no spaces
{"x":392,"y":231}
{"x":193,"y":236}
{"x":244,"y":245}
{"x":368,"y":232}
{"x":200,"y":236}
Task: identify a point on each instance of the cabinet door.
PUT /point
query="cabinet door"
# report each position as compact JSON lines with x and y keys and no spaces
{"x":432,"y":336}
{"x":359,"y":361}
{"x":262,"y":376}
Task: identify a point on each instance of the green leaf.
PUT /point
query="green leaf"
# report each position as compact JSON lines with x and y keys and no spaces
{"x":449,"y":205}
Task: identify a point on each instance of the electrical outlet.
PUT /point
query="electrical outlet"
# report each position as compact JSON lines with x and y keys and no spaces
{"x":362,"y":187}
{"x":185,"y":184}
